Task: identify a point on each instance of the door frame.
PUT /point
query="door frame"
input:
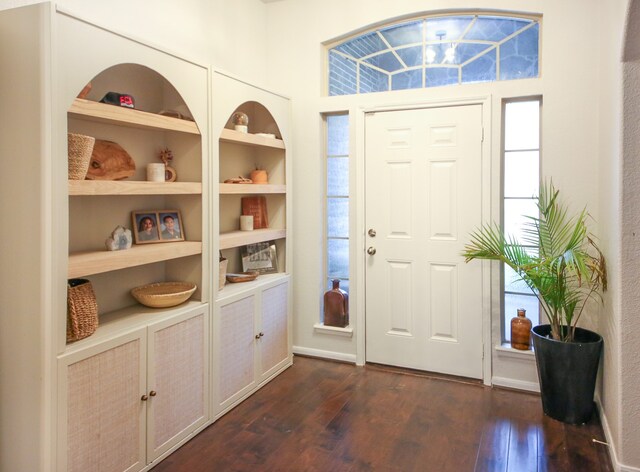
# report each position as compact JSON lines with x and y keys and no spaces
{"x":360,"y":230}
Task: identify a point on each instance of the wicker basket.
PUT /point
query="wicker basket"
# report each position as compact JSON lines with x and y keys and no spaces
{"x":163,"y":294}
{"x":80,"y":148}
{"x":223,"y":273}
{"x":82,"y":310}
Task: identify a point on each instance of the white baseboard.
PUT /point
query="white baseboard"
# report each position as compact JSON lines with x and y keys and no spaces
{"x":617,"y":466}
{"x":515,"y":384}
{"x":336,"y":356}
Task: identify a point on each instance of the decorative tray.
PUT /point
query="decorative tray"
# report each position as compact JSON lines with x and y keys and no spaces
{"x":242,"y":277}
{"x":163,"y":294}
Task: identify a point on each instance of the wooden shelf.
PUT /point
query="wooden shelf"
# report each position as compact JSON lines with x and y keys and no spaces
{"x":241,"y":238}
{"x":103,"y":113}
{"x":233,"y":136}
{"x":130,"y":187}
{"x":82,"y":264}
{"x":246,"y":189}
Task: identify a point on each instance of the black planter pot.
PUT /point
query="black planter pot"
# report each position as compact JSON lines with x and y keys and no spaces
{"x":567,"y":373}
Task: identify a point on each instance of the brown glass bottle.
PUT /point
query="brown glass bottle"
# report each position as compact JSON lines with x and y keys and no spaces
{"x":336,"y":306}
{"x":521,"y":331}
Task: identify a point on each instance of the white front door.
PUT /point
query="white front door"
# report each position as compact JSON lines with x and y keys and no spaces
{"x":423,"y":198}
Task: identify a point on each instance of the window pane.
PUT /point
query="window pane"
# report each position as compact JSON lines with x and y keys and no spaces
{"x":338,"y":258}
{"x":372,"y":80}
{"x":342,"y":75}
{"x":406,"y":33}
{"x":338,"y":176}
{"x":437,"y":76}
{"x":447,"y":28}
{"x":362,"y":46}
{"x":522,"y":123}
{"x":338,"y":135}
{"x":411,"y":56}
{"x":521,"y":174}
{"x":338,"y":217}
{"x":495,"y":28}
{"x":513,"y":283}
{"x":511,"y":304}
{"x":407,"y":80}
{"x":514,"y":219}
{"x":466,"y":51}
{"x":519,"y":56}
{"x":387,"y":61}
{"x":482,"y":69}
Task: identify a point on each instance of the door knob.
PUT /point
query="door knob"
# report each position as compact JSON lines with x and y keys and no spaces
{"x":372,"y":233}
{"x":371,"y":250}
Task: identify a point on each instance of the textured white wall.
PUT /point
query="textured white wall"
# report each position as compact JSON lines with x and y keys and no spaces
{"x":225,"y":34}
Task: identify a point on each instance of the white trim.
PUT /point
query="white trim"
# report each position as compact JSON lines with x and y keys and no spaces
{"x":515,"y":384}
{"x":506,"y":351}
{"x":337,"y":356}
{"x":333,"y":330}
{"x":617,"y":466}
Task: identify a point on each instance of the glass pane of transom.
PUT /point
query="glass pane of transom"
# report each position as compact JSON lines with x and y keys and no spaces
{"x":338,"y":176}
{"x":406,"y":33}
{"x":466,"y":51}
{"x":495,"y":28}
{"x":411,"y":56}
{"x":387,"y":61}
{"x":521,"y":174}
{"x":362,"y":46}
{"x":437,"y":76}
{"x":410,"y":79}
{"x":372,"y":80}
{"x":522,"y":126}
{"x":447,"y":28}
{"x":481,"y":69}
{"x":342,"y":75}
{"x":519,"y":55}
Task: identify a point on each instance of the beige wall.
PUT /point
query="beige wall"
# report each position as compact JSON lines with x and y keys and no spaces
{"x":226,"y":34}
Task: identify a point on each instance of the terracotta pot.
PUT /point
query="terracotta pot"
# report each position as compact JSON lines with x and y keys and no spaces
{"x":259,"y":176}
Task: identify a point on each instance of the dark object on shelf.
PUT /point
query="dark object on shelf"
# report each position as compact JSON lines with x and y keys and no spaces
{"x":119,"y":99}
{"x":82,"y":309}
{"x":109,"y":161}
{"x":336,"y":306}
{"x":521,"y":331}
{"x":567,"y":373}
{"x":256,"y":207}
{"x":242,"y":277}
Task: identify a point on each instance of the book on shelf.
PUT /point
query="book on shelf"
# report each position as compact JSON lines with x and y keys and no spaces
{"x":256,"y":206}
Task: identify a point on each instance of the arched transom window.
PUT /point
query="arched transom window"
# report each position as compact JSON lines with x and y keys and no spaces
{"x":435,"y":51}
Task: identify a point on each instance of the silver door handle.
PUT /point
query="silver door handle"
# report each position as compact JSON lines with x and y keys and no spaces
{"x":371,"y":250}
{"x":372,"y":233}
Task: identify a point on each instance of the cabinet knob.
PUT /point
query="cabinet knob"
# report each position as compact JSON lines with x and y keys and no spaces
{"x":152,"y":393}
{"x":261,"y":334}
{"x":257,"y":336}
{"x":144,"y":398}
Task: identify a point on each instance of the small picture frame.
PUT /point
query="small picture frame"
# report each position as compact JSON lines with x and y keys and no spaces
{"x":260,"y":257}
{"x":157,"y":226}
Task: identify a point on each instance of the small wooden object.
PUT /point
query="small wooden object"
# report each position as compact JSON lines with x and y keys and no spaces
{"x":256,"y":207}
{"x":110,"y":161}
{"x":163,"y":294}
{"x":242,"y":277}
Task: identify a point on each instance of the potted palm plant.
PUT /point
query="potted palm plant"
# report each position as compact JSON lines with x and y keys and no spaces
{"x":565,"y":273}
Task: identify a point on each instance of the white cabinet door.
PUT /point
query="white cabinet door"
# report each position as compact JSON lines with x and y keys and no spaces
{"x":274,"y":333}
{"x":235,"y":351}
{"x":100,"y":397}
{"x":177,"y":381}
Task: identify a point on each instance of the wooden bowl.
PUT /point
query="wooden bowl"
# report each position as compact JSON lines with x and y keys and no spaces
{"x":163,"y":294}
{"x":242,"y":277}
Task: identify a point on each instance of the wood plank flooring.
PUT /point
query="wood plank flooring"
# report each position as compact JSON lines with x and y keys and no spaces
{"x":326,"y":416}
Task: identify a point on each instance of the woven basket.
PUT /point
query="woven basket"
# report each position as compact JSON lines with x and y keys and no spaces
{"x":223,"y":273}
{"x":82,"y":310}
{"x":163,"y":294}
{"x":80,"y":148}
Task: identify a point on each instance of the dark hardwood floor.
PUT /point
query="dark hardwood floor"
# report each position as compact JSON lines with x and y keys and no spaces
{"x":326,"y":416}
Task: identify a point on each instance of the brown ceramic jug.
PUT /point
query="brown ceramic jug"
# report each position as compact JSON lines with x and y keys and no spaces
{"x":336,"y":306}
{"x":521,"y":331}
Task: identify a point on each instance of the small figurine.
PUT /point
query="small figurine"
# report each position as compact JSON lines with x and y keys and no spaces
{"x":170,"y":174}
{"x":120,"y":239}
{"x":240,"y":122}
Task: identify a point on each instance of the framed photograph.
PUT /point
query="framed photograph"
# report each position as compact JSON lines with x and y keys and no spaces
{"x":145,"y":227}
{"x":260,"y":257}
{"x":171,"y":228}
{"x":153,"y":226}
